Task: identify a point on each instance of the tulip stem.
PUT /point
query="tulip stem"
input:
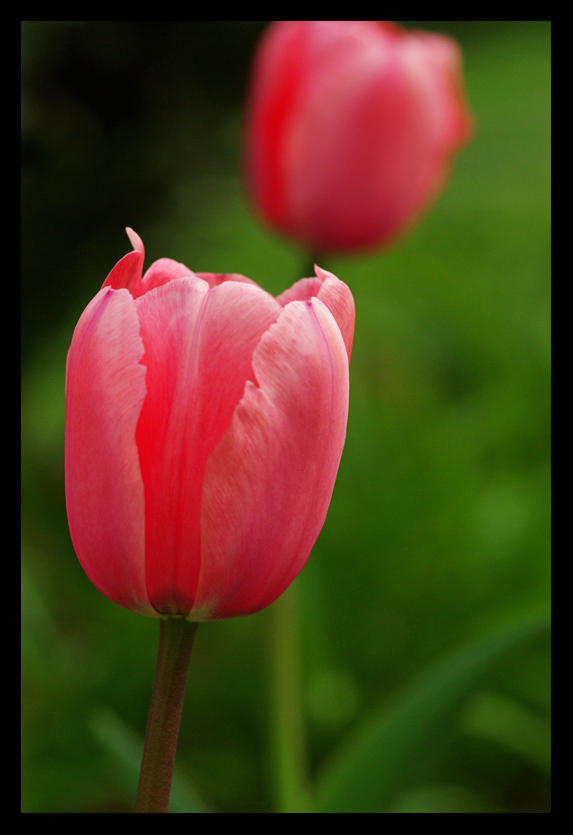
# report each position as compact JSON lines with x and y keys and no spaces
{"x":176,"y":638}
{"x":288,"y":725}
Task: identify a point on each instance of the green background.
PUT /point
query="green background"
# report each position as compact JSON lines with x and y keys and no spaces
{"x":439,"y":528}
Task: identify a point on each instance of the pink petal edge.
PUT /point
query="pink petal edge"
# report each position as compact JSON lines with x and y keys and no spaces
{"x":105,"y":389}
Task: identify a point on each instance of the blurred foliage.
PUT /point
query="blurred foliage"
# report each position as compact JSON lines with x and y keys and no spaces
{"x":439,"y":527}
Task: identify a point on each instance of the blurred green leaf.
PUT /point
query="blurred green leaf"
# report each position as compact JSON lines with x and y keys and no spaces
{"x":442,"y":799}
{"x":511,"y":724}
{"x":366,"y":775}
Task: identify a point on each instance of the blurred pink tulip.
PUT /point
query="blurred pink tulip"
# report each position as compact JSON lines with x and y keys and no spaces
{"x":205,"y":421}
{"x":352,"y":126}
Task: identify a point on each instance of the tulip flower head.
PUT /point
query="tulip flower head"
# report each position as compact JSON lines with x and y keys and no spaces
{"x":351,"y":129}
{"x":205,"y":421}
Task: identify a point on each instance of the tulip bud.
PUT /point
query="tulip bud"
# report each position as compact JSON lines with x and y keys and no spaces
{"x":351,"y":129}
{"x":205,"y":421}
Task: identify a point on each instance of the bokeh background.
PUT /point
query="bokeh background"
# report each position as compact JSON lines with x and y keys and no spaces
{"x":439,"y":528}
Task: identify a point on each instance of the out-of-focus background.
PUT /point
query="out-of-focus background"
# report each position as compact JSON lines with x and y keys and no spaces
{"x":438,"y":532}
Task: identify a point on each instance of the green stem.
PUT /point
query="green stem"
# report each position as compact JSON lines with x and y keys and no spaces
{"x":288,"y":725}
{"x":176,"y":638}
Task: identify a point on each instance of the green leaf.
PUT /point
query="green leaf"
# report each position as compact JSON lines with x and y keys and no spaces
{"x":509,"y":723}
{"x":369,"y":770}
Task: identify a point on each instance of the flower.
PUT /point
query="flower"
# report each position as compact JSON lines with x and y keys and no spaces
{"x":351,"y":129}
{"x":205,"y":422}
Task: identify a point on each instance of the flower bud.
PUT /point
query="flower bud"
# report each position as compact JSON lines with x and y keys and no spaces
{"x":351,"y":129}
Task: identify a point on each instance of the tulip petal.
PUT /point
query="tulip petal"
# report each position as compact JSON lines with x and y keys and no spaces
{"x":127,"y":272}
{"x":269,"y":481}
{"x":335,"y":295}
{"x":199,"y":343}
{"x":351,"y":129}
{"x":214,"y":279}
{"x":387,"y":139}
{"x":282,"y":62}
{"x":161,"y":272}
{"x":105,"y":388}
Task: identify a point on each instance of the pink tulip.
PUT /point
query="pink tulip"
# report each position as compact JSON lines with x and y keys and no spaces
{"x":351,"y":128}
{"x":205,"y":421}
